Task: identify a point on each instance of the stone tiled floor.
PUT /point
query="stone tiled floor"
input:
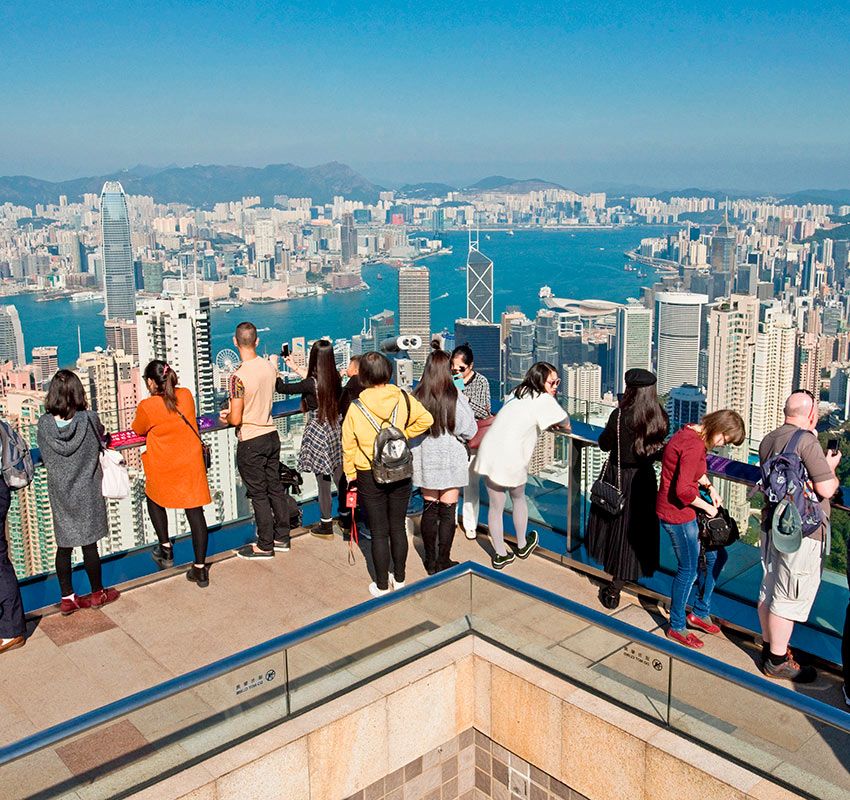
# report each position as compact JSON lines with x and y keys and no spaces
{"x":168,"y":627}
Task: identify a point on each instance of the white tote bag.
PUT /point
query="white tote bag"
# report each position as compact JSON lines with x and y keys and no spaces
{"x":116,"y":480}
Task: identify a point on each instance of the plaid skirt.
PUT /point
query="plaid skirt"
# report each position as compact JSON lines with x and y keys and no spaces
{"x":321,"y":447}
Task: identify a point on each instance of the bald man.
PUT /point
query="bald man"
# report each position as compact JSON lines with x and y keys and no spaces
{"x":791,"y":580}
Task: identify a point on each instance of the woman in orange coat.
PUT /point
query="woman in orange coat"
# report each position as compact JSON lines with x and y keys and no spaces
{"x":174,"y":464}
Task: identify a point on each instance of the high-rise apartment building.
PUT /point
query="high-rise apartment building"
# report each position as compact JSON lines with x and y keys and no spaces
{"x":122,"y":334}
{"x":678,"y":338}
{"x":479,"y":282}
{"x":582,"y":382}
{"x":108,"y":377}
{"x":732,"y":328}
{"x":519,"y":352}
{"x":117,"y":253}
{"x":45,"y":363}
{"x":414,"y":311}
{"x":178,"y":331}
{"x":773,"y":371}
{"x":633,"y":346}
{"x":723,"y":244}
{"x":11,"y":337}
{"x":264,"y":239}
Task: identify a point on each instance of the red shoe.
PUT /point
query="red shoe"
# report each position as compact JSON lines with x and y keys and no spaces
{"x":103,"y":597}
{"x":688,"y":640}
{"x":68,"y":607}
{"x":705,"y":626}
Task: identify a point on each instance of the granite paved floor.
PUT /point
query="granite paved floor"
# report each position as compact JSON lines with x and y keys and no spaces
{"x":168,"y":627}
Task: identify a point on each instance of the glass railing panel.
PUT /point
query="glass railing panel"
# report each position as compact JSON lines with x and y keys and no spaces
{"x":146,"y":745}
{"x":573,"y":647}
{"x":760,"y":732}
{"x":336,"y":661}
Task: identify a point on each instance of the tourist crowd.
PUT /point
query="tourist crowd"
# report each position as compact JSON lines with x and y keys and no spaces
{"x":375,"y":442}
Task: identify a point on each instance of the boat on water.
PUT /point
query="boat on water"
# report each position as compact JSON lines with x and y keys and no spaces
{"x":510,"y":233}
{"x":263,"y":330}
{"x":443,"y":296}
{"x":85,"y":297}
{"x":379,"y":277}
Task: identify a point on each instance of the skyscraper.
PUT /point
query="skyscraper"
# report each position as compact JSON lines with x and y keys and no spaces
{"x":45,"y":363}
{"x":633,"y":348}
{"x":123,"y":335}
{"x":105,"y":375}
{"x":582,"y":382}
{"x":479,"y":282}
{"x":118,"y":281}
{"x":520,"y":352}
{"x":773,"y":371}
{"x":685,"y":405}
{"x":678,"y":337}
{"x":414,"y":311}
{"x":11,"y":337}
{"x":546,"y":337}
{"x":347,"y":239}
{"x":264,"y":239}
{"x":485,"y":339}
{"x":178,"y":331}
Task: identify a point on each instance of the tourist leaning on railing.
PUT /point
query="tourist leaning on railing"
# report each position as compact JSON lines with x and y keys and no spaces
{"x":506,"y":451}
{"x":320,"y":388}
{"x":175,"y":474}
{"x":683,"y":472}
{"x":70,"y":438}
{"x":440,"y":458}
{"x":792,"y":574}
{"x":476,"y":389}
{"x":13,"y":626}
{"x":385,"y":503}
{"x":258,"y":452}
{"x":627,"y":543}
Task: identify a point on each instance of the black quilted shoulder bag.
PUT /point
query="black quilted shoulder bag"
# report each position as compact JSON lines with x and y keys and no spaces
{"x":606,"y":496}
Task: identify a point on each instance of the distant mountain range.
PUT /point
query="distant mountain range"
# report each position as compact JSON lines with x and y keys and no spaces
{"x":495,"y":183}
{"x":203,"y":185}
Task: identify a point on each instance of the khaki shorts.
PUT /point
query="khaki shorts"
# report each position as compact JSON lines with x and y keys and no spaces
{"x":791,"y":580}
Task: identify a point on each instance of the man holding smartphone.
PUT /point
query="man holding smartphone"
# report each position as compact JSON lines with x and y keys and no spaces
{"x":791,"y":579}
{"x":252,"y":389}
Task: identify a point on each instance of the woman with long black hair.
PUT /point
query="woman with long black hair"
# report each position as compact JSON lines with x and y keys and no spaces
{"x":627,"y":544}
{"x":321,"y":449}
{"x":175,"y":475}
{"x":440,"y":461}
{"x":506,"y":452}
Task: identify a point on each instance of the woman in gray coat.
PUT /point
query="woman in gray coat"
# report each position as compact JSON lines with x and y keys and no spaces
{"x":69,"y":438}
{"x":440,"y":458}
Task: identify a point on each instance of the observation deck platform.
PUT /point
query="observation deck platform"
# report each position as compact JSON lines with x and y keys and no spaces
{"x":163,"y":626}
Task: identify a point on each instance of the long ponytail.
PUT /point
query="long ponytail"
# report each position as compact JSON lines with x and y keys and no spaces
{"x":165,"y":380}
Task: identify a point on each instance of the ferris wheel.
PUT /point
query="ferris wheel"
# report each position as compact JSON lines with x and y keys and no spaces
{"x":227,"y":361}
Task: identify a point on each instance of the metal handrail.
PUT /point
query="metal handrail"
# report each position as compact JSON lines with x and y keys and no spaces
{"x":78,"y":725}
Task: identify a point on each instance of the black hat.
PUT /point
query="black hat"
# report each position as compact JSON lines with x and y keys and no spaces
{"x":640,"y":377}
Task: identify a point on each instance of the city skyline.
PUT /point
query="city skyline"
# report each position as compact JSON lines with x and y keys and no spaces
{"x":582,"y":96}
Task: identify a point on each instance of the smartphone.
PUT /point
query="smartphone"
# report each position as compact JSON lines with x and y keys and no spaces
{"x":832,"y":446}
{"x":284,"y":351}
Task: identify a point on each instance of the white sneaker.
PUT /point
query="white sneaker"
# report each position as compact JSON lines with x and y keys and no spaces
{"x":471,"y":535}
{"x":394,"y":584}
{"x":376,"y":592}
{"x":846,"y":696}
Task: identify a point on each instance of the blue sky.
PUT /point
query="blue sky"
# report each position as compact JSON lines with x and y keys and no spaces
{"x":585,"y":93}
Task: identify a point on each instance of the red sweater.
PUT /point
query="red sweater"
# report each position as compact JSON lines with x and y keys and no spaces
{"x":681,"y":468}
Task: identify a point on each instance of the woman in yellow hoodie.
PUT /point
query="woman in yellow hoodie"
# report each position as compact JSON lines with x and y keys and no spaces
{"x":385,"y":503}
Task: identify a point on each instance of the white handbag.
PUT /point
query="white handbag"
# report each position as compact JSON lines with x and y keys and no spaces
{"x":116,"y":480}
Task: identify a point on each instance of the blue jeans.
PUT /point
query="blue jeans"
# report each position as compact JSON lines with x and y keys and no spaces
{"x":685,"y":539}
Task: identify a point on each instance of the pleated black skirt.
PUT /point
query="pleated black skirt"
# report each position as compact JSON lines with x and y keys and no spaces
{"x":627,"y":544}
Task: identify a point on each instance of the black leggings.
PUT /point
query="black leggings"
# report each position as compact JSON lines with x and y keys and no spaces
{"x":91,"y":563}
{"x":197,"y":524}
